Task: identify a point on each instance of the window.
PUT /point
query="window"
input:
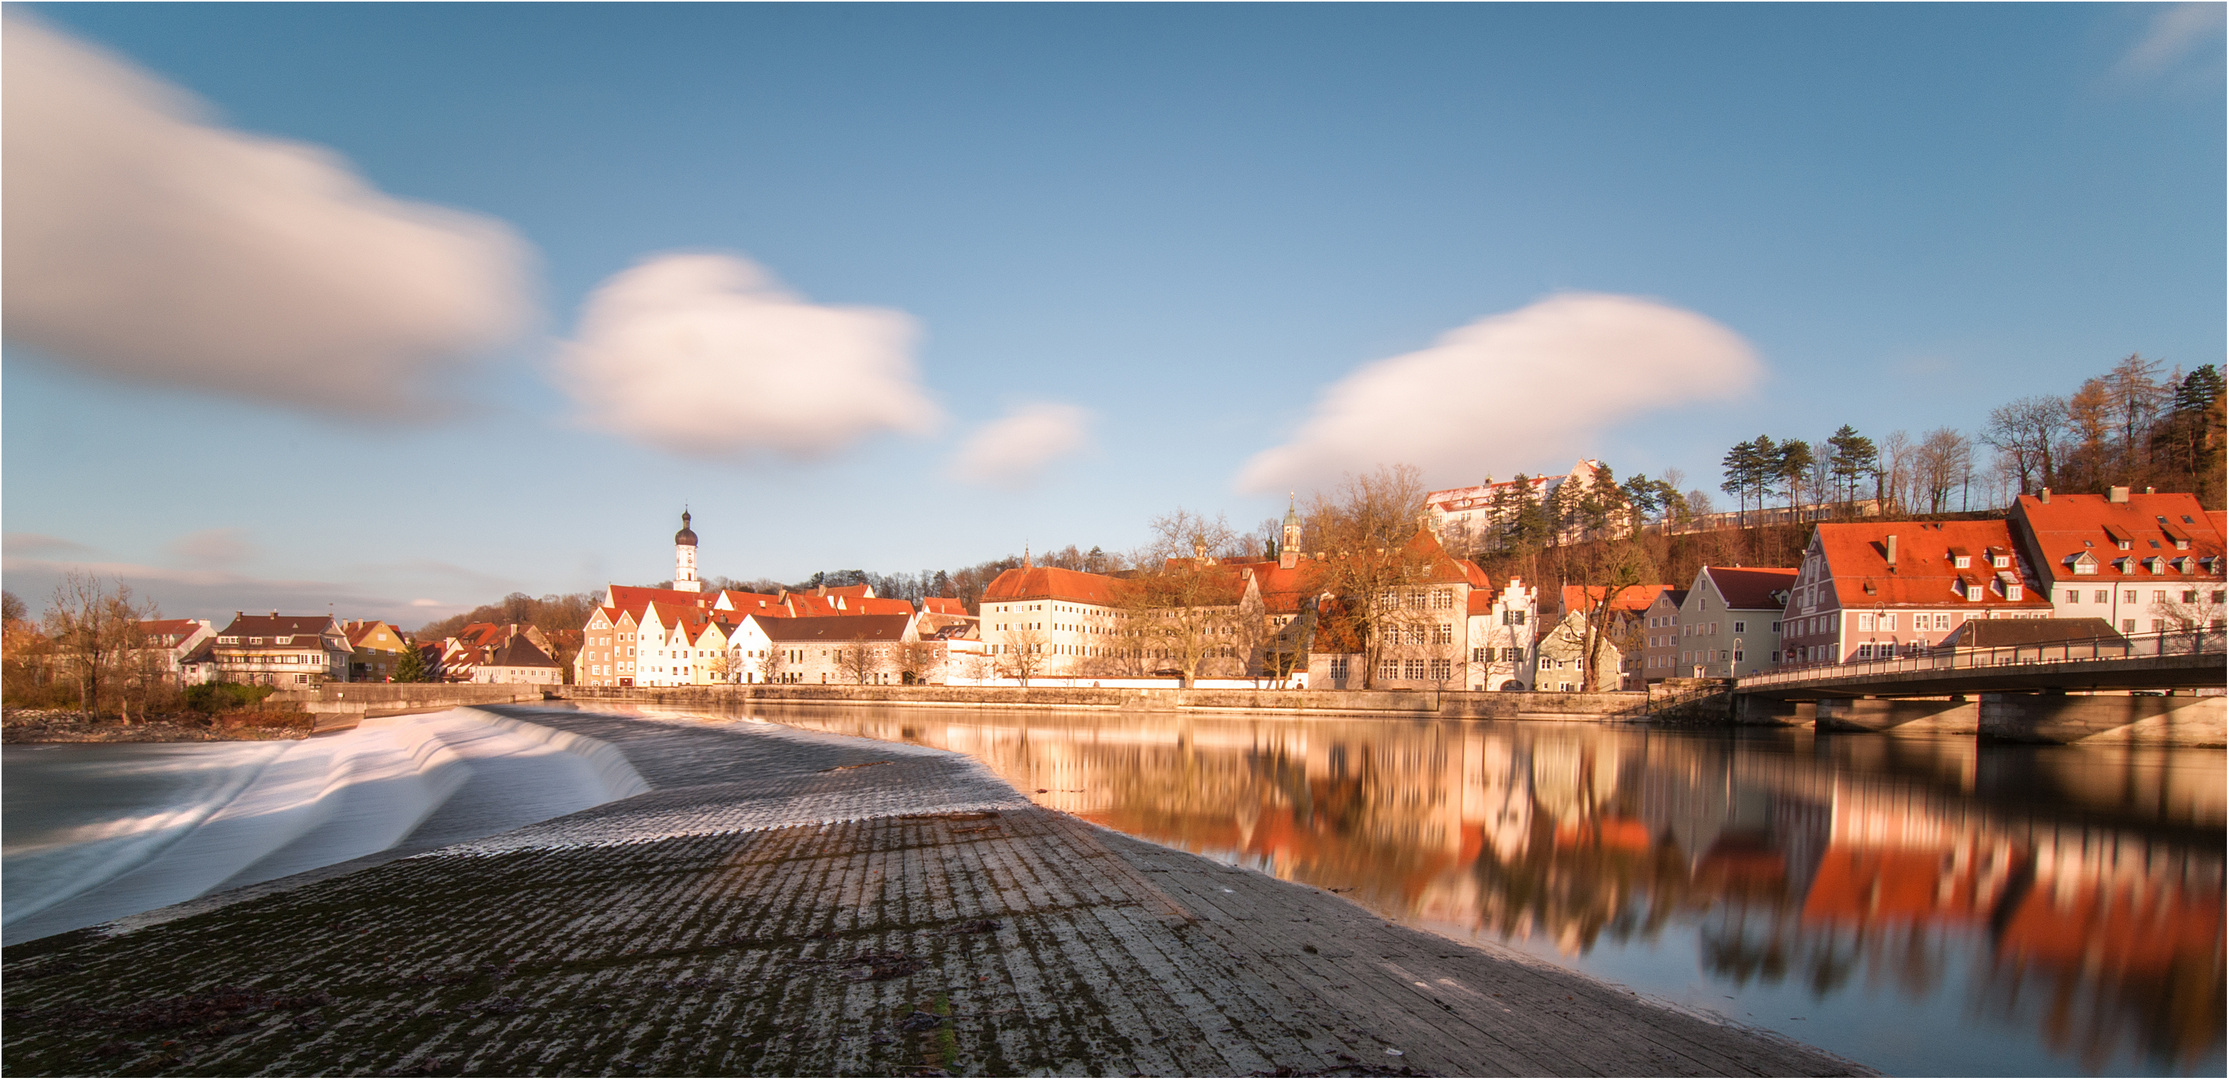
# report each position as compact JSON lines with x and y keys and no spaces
{"x":1442,"y":670}
{"x":1865,"y":651}
{"x":2128,"y":596}
{"x":1415,"y":669}
{"x":1389,"y":669}
{"x":1443,"y":634}
{"x":1865,"y":622}
{"x":1514,"y":656}
{"x":1737,"y":655}
{"x":2074,"y":596}
{"x":2128,"y":626}
{"x":1942,"y":621}
{"x":1478,"y":655}
{"x":2158,"y":625}
{"x":1339,"y":668}
{"x":1962,"y":561}
{"x":1741,"y":626}
{"x":1776,"y":629}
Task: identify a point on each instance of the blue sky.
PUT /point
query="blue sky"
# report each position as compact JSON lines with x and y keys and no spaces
{"x":1158,"y":241}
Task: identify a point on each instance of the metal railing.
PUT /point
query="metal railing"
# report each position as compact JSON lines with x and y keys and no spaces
{"x":1939,"y":658}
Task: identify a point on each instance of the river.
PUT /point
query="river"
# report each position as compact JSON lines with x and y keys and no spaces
{"x":1925,"y":906}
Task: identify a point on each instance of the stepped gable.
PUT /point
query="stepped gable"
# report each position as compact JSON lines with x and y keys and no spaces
{"x":1926,"y":574}
{"x":1753,"y":588}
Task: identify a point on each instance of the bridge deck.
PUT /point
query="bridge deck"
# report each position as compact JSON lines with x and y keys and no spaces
{"x":2168,"y":661}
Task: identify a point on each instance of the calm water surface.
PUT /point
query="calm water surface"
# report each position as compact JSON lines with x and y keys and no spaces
{"x":1920,"y":905}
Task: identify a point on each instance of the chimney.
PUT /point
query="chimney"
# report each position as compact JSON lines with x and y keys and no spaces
{"x":1892,"y":551}
{"x":2116,"y":494}
{"x":2046,"y":496}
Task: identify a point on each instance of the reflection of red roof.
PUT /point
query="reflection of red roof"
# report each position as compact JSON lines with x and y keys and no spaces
{"x":1621,"y":834}
{"x":2117,"y":929}
{"x":1925,"y":576}
{"x":1869,"y":885}
{"x":1051,"y":583}
{"x":1753,"y":588}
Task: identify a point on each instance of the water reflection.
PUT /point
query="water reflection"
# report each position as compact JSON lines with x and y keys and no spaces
{"x":1930,"y":905}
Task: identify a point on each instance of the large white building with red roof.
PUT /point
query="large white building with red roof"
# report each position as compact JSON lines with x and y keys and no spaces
{"x":1876,"y":590}
{"x":1465,"y":517}
{"x":2144,"y":562}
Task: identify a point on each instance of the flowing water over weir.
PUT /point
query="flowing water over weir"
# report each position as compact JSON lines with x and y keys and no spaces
{"x":1923,"y":906}
{"x":96,"y":832}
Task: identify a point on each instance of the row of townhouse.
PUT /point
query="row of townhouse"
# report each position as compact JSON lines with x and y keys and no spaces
{"x":311,"y":650}
{"x":684,"y":635}
{"x":2142,"y":563}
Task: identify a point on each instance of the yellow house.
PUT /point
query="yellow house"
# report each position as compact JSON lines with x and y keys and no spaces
{"x":377,"y":646}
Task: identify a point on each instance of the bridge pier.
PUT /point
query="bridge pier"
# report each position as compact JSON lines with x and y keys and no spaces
{"x":2106,"y":719}
{"x":1753,"y":711}
{"x":1933,"y":716}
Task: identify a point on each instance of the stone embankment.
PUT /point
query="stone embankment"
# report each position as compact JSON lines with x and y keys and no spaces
{"x":1430,"y":704}
{"x":790,"y":903}
{"x":360,"y":700}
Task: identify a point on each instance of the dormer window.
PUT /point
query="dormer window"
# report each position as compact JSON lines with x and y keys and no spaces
{"x":1962,"y":562}
{"x":1973,"y":594}
{"x":2082,"y":562}
{"x":2182,"y":565}
{"x":255,"y":641}
{"x":2156,"y":565}
{"x":2125,"y":566}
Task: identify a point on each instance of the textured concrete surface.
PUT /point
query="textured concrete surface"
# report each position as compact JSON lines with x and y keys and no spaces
{"x":788,"y":903}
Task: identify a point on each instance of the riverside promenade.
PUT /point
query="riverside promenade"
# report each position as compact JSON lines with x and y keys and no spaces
{"x":791,"y":903}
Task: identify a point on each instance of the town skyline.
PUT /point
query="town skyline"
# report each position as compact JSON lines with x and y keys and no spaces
{"x":1233,"y":281}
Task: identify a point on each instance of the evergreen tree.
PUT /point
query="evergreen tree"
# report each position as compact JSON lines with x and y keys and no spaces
{"x":1850,"y":457}
{"x":410,"y":666}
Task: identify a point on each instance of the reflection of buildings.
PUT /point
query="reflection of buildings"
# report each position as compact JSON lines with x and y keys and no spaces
{"x":1832,"y":864}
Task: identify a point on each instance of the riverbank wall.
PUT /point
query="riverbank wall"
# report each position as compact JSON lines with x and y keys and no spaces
{"x":358,"y":700}
{"x":1621,"y":706}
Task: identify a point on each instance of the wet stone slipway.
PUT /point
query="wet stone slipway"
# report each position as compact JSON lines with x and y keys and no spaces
{"x":787,"y":903}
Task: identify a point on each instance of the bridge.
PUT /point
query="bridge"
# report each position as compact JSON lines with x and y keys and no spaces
{"x":2149,"y":688}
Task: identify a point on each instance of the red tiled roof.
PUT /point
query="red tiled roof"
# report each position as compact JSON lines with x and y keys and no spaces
{"x":943,"y":605}
{"x":1753,"y":588}
{"x":277,"y":625}
{"x":852,"y":591}
{"x":1287,"y":592}
{"x":1630,"y":598}
{"x":837,"y":628}
{"x":633,"y":597}
{"x":1051,"y":583}
{"x":878,"y":605}
{"x":1856,"y":557}
{"x":2070,"y":525}
{"x":180,"y":627}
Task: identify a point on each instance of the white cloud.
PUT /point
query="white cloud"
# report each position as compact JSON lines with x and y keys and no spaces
{"x":2174,"y":34}
{"x":146,"y":242}
{"x":708,"y":355}
{"x":1520,"y":389}
{"x":1014,"y":450}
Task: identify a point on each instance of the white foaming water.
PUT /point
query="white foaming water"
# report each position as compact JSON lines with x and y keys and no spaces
{"x":99,"y":832}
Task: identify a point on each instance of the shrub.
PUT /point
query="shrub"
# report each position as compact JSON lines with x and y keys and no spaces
{"x":226,"y":697}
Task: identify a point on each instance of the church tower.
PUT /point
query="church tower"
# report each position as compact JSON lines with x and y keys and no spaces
{"x":685,"y":558}
{"x":1288,"y":553}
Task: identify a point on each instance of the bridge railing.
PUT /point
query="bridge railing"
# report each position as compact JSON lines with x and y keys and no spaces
{"x":2082,"y":650}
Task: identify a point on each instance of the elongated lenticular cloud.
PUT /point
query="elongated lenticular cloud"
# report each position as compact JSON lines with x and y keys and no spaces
{"x":707,"y":355}
{"x":1535,"y":384}
{"x":147,"y":243}
{"x":1015,"y":450}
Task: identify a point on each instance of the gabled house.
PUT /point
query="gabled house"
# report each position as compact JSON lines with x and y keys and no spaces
{"x":376,"y":647}
{"x":1660,"y":626}
{"x":1622,"y":619}
{"x":518,"y":660}
{"x":1729,"y":622}
{"x":281,"y":650}
{"x":1876,"y":590}
{"x":168,"y":642}
{"x":836,"y":649}
{"x":2144,"y":562}
{"x":1500,"y":636}
{"x":1066,"y":617}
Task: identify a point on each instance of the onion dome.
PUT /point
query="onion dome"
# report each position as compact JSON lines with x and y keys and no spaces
{"x":687,"y":535}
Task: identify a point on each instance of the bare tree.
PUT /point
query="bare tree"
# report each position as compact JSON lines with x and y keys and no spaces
{"x":1183,"y":606}
{"x":1021,"y":652}
{"x":95,"y":629}
{"x":1365,"y":528}
{"x":917,"y":660}
{"x":2028,"y":434}
{"x":772,"y":666}
{"x":860,"y":659}
{"x":1942,"y":464}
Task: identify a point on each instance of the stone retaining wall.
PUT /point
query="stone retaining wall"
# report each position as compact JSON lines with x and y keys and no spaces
{"x":1451,"y":704}
{"x":378,"y":698}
